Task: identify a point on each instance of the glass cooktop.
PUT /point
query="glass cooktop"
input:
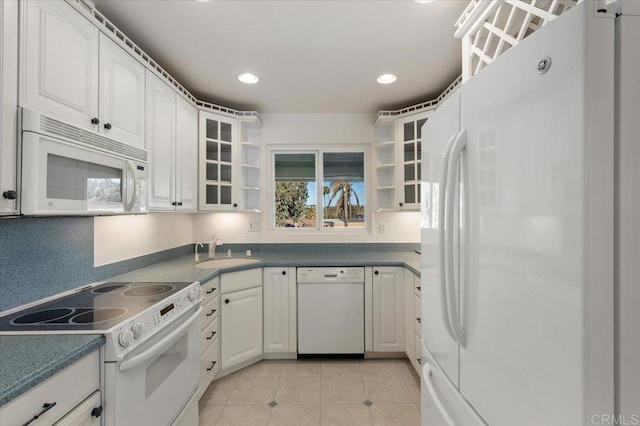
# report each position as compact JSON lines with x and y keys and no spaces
{"x":94,"y":309}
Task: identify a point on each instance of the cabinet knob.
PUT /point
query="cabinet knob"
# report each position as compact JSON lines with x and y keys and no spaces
{"x":376,"y":272}
{"x":95,"y":121}
{"x":284,"y":272}
{"x":97,"y":411}
{"x":107,"y":126}
{"x":173,"y":203}
{"x":10,"y":195}
{"x":180,"y":203}
{"x":226,"y":300}
{"x":401,"y":204}
{"x":235,"y":204}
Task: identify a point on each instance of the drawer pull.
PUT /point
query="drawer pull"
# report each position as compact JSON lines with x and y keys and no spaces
{"x":213,"y":333}
{"x":213,"y":311}
{"x":212,"y":290}
{"x":418,"y":288}
{"x":97,"y":411}
{"x":419,"y":320}
{"x":45,"y":407}
{"x":213,"y":363}
{"x":419,"y":361}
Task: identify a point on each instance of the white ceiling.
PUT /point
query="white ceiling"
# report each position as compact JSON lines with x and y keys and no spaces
{"x":310,"y":55}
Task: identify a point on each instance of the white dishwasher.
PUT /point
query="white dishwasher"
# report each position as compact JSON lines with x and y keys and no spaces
{"x":330,"y":311}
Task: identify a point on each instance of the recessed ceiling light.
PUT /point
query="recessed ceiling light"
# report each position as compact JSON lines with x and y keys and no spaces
{"x":387,"y":78}
{"x":202,"y":1}
{"x":424,"y":1}
{"x":248,"y":78}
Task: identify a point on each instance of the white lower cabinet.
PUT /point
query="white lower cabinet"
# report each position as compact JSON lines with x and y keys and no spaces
{"x":413,"y":319}
{"x":409,"y":318}
{"x":279,"y":287}
{"x":210,"y":335}
{"x":241,"y":318}
{"x":388,"y":309}
{"x":60,"y":398}
{"x":83,"y":414}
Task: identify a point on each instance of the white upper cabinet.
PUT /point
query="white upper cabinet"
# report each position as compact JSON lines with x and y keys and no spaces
{"x":72,"y":72}
{"x":8,"y":107}
{"x":409,"y":147}
{"x":122,"y":94}
{"x":186,"y":158}
{"x":59,"y":63}
{"x":161,"y":137}
{"x":398,"y":158}
{"x":218,"y":162}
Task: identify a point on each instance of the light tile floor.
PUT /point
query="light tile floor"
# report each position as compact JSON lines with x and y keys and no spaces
{"x":315,"y":392}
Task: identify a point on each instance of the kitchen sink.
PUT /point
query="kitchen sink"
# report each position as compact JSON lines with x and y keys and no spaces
{"x":226,"y":262}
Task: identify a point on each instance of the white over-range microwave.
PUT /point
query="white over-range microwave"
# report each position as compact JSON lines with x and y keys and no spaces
{"x":71,"y":171}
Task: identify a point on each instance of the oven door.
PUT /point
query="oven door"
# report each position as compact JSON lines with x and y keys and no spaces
{"x":64,"y":178}
{"x":153,"y":384}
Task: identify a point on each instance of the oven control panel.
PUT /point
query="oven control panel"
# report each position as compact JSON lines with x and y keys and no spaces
{"x":153,"y":320}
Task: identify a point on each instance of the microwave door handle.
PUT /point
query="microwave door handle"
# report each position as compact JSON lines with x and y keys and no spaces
{"x":442,"y":238}
{"x":161,"y":346}
{"x":426,"y":376}
{"x":452,"y":181}
{"x":132,"y":200}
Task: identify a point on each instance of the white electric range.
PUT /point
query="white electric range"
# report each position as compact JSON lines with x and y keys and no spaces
{"x":152,"y":350}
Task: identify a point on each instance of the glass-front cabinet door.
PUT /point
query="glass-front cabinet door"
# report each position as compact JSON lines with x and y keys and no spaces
{"x":409,"y":160}
{"x":217,"y":159}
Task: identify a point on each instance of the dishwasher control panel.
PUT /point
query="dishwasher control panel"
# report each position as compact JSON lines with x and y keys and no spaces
{"x":341,"y":274}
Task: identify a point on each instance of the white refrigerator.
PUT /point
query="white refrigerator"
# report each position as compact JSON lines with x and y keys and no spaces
{"x":531,"y":235}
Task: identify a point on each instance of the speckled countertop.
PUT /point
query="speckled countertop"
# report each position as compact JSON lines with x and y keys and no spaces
{"x":26,"y":361}
{"x":183,"y":268}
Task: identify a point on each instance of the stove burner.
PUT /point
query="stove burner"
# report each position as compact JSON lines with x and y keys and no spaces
{"x":42,"y":316}
{"x":149,"y":290}
{"x":108,"y":288}
{"x":98,"y":315}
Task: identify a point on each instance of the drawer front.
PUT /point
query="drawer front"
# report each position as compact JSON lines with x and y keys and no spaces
{"x":417,"y":308}
{"x":210,"y":289}
{"x":210,"y":311}
{"x":82,"y":415}
{"x":78,"y":381}
{"x":209,"y":335}
{"x":210,"y":365}
{"x":241,"y":280}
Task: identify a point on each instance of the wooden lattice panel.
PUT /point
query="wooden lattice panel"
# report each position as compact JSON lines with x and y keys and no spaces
{"x":489,"y":28}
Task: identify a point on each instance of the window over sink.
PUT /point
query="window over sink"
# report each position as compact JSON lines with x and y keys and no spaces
{"x":319,"y":189}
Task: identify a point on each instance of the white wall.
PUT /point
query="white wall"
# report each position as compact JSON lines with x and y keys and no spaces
{"x":306,"y":129}
{"x":117,"y":238}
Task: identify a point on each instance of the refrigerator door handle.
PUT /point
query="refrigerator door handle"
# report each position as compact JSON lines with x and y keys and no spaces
{"x":426,"y":377}
{"x":452,"y":181}
{"x":441,"y":239}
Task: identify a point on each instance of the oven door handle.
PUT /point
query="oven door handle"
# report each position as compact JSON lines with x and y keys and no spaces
{"x":162,"y":345}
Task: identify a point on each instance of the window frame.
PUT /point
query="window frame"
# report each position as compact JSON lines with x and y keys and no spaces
{"x":318,"y":151}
